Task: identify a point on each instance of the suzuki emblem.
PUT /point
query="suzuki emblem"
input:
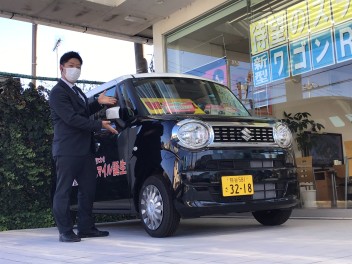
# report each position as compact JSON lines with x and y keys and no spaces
{"x":246,"y":134}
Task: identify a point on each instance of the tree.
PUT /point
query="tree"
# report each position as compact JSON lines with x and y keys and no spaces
{"x":300,"y":124}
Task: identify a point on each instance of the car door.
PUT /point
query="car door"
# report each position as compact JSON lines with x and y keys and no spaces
{"x":113,"y":189}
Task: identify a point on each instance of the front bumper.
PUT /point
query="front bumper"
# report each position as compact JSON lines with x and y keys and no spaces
{"x":198,"y":176}
{"x":203,"y":199}
{"x":204,"y":208}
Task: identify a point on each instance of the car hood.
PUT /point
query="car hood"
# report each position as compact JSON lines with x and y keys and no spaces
{"x":210,"y":118}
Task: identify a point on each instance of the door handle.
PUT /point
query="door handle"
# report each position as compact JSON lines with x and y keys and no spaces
{"x":97,"y":146}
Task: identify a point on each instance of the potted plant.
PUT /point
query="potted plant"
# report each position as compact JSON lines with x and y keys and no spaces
{"x":300,"y":123}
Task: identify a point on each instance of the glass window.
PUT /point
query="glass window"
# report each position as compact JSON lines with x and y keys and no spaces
{"x":102,"y":113}
{"x":277,"y":56}
{"x":187,"y":96}
{"x":215,"y":47}
{"x":126,"y":101}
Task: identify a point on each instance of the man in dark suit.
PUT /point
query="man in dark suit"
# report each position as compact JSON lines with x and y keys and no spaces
{"x":73,"y":149}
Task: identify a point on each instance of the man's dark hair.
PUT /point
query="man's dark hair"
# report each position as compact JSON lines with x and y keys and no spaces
{"x":70,"y":55}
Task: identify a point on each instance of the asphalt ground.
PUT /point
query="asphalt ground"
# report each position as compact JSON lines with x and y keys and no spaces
{"x":324,"y":238}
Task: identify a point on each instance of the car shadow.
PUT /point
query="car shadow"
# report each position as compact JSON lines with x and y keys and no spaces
{"x":218,"y":226}
{"x":203,"y":226}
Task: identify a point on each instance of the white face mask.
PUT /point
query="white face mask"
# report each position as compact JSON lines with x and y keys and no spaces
{"x":72,"y":74}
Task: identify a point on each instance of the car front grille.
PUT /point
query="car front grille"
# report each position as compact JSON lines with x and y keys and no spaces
{"x":243,"y":134}
{"x":239,"y":164}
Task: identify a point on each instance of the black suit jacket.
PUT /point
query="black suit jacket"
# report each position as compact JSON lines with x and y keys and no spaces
{"x":73,"y":130}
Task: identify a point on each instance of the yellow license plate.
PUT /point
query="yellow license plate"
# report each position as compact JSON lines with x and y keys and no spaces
{"x":237,"y":185}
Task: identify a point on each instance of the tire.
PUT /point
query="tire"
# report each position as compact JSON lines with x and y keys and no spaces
{"x":156,"y":209}
{"x":272,"y":217}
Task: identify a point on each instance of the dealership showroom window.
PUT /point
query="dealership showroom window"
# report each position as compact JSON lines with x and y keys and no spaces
{"x":283,"y":56}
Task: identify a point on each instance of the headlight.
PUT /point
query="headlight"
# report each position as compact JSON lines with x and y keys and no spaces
{"x":282,"y":135}
{"x":192,"y":134}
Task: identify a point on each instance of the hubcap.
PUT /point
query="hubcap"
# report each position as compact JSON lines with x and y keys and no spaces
{"x":152,"y":207}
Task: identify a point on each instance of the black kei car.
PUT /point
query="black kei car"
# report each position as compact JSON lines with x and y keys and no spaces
{"x":186,"y":148}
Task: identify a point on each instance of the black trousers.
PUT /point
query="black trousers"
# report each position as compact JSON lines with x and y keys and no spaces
{"x":83,"y":169}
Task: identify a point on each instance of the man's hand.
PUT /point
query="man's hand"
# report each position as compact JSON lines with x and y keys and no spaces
{"x":106,"y":100}
{"x":106,"y":125}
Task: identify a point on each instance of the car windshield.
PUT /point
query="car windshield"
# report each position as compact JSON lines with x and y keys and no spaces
{"x":187,"y":96}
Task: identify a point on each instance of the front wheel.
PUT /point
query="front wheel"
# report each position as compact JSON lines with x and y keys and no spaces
{"x":272,"y":217}
{"x":156,"y":209}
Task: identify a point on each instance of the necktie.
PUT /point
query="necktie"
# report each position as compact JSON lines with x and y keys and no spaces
{"x":75,"y":89}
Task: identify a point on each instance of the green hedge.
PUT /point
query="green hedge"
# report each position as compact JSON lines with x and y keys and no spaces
{"x":25,"y":157}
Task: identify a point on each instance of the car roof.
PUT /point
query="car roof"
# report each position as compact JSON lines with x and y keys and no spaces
{"x":113,"y":82}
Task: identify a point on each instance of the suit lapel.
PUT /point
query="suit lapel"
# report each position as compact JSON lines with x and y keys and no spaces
{"x":74,"y":95}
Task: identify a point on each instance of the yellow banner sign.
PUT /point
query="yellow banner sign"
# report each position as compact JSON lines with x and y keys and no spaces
{"x":297,"y":21}
{"x":319,"y":15}
{"x":277,"y":29}
{"x":259,"y":36}
{"x":341,"y":10}
{"x":160,"y":106}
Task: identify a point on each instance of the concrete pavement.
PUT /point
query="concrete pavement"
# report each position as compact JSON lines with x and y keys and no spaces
{"x":231,"y":239}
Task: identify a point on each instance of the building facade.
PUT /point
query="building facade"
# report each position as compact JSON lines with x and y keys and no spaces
{"x":278,"y":57}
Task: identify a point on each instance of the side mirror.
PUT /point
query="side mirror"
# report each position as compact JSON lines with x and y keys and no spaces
{"x":113,"y":114}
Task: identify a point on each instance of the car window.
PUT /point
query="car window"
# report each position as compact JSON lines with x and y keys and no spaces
{"x":187,"y":96}
{"x":109,"y":92}
{"x":126,"y":101}
{"x":102,"y":113}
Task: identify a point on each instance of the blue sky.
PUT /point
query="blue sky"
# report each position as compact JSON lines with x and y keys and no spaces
{"x":103,"y":58}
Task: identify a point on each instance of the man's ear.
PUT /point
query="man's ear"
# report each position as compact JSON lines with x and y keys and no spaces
{"x":61,"y":68}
